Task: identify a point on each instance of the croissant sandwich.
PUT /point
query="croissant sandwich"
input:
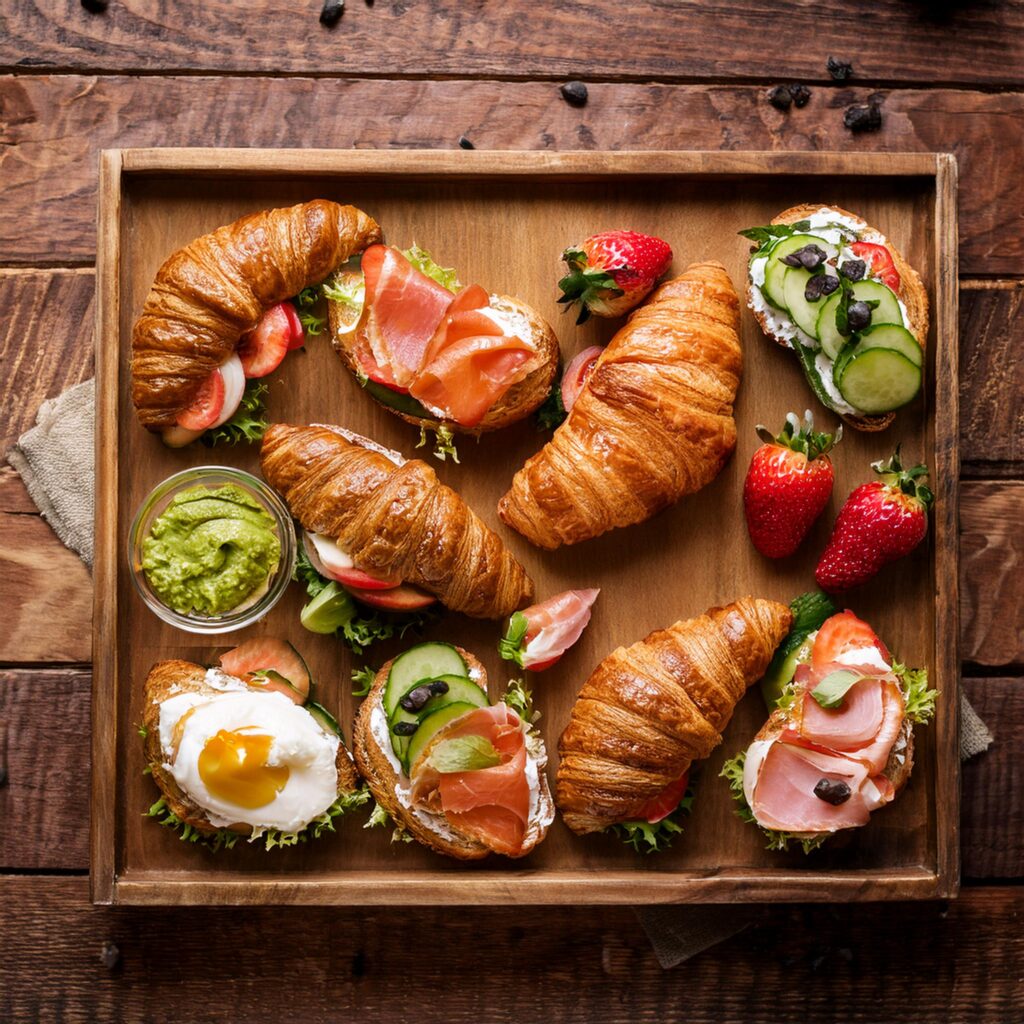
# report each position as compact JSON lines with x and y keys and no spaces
{"x":650,"y":710}
{"x":652,"y":422}
{"x":386,"y":528}
{"x":835,"y":290}
{"x":839,"y":743}
{"x":241,"y":753}
{"x":196,"y":343}
{"x":433,"y":352}
{"x":462,"y":775}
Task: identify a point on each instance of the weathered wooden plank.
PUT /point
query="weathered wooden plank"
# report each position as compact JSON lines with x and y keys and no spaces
{"x":13,"y":496}
{"x":45,"y":341}
{"x":44,"y":748}
{"x":992,"y":572}
{"x":53,"y":126}
{"x":888,"y":40}
{"x":557,"y":965}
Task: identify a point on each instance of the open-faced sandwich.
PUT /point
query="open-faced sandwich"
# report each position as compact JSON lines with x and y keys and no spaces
{"x":384,"y":531}
{"x":836,"y":291}
{"x":437,"y":354}
{"x":650,"y":710}
{"x":840,"y":740}
{"x":217,"y":317}
{"x":461,"y":774}
{"x":238,"y":751}
{"x":651,"y":420}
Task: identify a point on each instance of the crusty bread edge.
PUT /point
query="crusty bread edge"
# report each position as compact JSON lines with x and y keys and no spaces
{"x":382,"y":779}
{"x":912,"y":293}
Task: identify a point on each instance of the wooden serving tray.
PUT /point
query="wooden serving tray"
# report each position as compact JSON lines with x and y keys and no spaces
{"x":503,"y":219}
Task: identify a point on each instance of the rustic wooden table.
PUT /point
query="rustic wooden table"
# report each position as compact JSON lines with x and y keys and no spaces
{"x":663,"y":74}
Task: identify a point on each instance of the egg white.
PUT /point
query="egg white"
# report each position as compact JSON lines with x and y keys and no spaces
{"x":299,"y":742}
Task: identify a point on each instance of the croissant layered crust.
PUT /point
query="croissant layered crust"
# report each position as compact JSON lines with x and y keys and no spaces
{"x":649,"y":710}
{"x":208,"y":294}
{"x":397,"y":521}
{"x":653,"y":422}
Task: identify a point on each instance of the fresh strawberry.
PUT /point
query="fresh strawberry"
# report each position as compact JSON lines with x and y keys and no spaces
{"x":611,"y":272}
{"x":880,"y":262}
{"x":788,"y":485}
{"x":880,"y":522}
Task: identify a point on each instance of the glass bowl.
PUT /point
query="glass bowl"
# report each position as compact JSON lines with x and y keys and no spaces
{"x":253,"y":608}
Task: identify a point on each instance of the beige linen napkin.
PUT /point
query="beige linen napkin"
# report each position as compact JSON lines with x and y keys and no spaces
{"x":55,"y":459}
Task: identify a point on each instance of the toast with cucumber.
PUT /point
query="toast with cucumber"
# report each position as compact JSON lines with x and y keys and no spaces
{"x":461,"y":774}
{"x":825,"y":284}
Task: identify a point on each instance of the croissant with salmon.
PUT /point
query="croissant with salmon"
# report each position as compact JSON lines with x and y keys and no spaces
{"x":393,"y":518}
{"x":652,"y":423}
{"x":214,"y":290}
{"x":648,"y":711}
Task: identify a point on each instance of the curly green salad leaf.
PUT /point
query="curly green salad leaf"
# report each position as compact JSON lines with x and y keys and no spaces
{"x":363,"y":680}
{"x":645,"y":837}
{"x":552,"y":413}
{"x":732,"y":771}
{"x":769,"y":234}
{"x":351,"y":293}
{"x":520,"y":700}
{"x":444,"y":442}
{"x":446,"y":277}
{"x":919,"y":701}
{"x":304,"y":303}
{"x":379,"y":818}
{"x":249,"y":423}
{"x":510,"y":646}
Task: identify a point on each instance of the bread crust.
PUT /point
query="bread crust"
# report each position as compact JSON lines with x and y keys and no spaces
{"x":911,"y":292}
{"x":381,"y":777}
{"x":169,"y":678}
{"x":517,"y":403}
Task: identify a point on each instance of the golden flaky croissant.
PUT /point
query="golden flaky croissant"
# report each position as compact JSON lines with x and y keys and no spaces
{"x":653,"y":422}
{"x":651,"y":709}
{"x":394,"y":519}
{"x":208,"y":294}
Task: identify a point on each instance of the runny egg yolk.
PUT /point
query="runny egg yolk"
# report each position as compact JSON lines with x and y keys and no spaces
{"x":233,"y":766}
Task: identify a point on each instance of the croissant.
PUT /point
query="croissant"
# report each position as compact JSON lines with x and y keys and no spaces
{"x":653,"y":422}
{"x":651,"y":709}
{"x":208,"y":294}
{"x":394,"y":518}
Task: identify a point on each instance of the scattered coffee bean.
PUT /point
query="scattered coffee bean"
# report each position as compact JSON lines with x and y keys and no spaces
{"x":110,"y":955}
{"x":863,"y":117}
{"x":574,"y":93}
{"x":832,"y":792}
{"x":780,"y":98}
{"x":415,"y":699}
{"x":853,"y":270}
{"x":438,"y":687}
{"x":332,"y":12}
{"x":801,"y":95}
{"x":465,"y":143}
{"x":809,"y":257}
{"x":858,"y":315}
{"x":840,"y":70}
{"x":95,"y":6}
{"x":405,"y":728}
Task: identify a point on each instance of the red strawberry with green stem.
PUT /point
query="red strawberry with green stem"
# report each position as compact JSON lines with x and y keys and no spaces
{"x":880,"y":522}
{"x":611,"y":272}
{"x":788,"y":485}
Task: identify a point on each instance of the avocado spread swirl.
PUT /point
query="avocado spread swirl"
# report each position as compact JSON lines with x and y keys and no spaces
{"x":210,"y":550}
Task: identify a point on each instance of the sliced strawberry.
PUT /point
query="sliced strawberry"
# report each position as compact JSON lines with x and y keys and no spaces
{"x":576,"y":374}
{"x":665,"y":802}
{"x":841,"y":633}
{"x":298,"y":332}
{"x":405,"y":598}
{"x":880,"y":262}
{"x":206,"y":407}
{"x":269,"y":664}
{"x":263,"y":348}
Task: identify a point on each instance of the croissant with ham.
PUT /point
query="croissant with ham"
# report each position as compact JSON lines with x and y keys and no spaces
{"x":652,"y":423}
{"x":648,"y":711}
{"x":214,"y":290}
{"x":393,"y":518}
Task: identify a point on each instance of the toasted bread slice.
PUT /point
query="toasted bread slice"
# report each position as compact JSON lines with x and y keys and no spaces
{"x":170,"y":678}
{"x":378,"y":766}
{"x":911,"y":292}
{"x":517,"y":403}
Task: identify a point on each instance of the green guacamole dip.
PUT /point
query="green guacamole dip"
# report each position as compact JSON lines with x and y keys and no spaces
{"x":211,"y":550}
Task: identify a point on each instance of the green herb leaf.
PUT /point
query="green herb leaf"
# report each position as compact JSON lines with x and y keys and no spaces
{"x":363,"y":680}
{"x":520,"y":700}
{"x":446,"y":277}
{"x":829,"y":693}
{"x":646,"y":837}
{"x":918,"y":700}
{"x":248,"y":423}
{"x":511,"y":645}
{"x":306,"y":574}
{"x":552,"y":413}
{"x":143,"y":731}
{"x":304,"y":302}
{"x":444,"y":442}
{"x":464,"y":754}
{"x":349,"y":293}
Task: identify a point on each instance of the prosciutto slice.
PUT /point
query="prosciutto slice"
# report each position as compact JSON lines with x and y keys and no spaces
{"x":851,"y":725}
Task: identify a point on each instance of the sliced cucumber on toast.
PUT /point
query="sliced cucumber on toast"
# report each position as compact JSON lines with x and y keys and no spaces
{"x":886,"y":312}
{"x":877,"y":380}
{"x":775,"y":269}
{"x":424,"y":661}
{"x":459,"y":690}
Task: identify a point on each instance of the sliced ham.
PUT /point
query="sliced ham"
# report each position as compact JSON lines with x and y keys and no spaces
{"x":851,"y":725}
{"x":876,"y":753}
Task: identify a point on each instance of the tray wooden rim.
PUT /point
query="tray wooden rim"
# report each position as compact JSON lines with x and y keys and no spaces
{"x":560,"y":887}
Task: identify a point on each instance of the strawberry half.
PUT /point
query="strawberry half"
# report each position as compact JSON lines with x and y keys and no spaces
{"x":880,"y":522}
{"x":788,"y":485}
{"x":612,"y":272}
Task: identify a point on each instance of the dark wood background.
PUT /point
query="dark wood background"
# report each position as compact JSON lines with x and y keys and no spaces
{"x":683,"y":74}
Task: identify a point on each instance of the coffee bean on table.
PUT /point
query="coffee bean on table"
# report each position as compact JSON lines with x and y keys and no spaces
{"x":95,"y":6}
{"x":780,"y":98}
{"x":464,"y":143}
{"x":840,"y":70}
{"x":331,"y":12}
{"x":574,"y":93}
{"x":801,"y":95}
{"x":866,"y":117}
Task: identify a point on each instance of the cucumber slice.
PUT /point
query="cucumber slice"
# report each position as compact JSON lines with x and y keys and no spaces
{"x":825,"y":327}
{"x":892,"y":336}
{"x":460,"y":690}
{"x":779,"y":676}
{"x":431,"y":725}
{"x":888,"y":309}
{"x":329,"y":610}
{"x":775,"y":269}
{"x":324,"y":717}
{"x":879,"y":380}
{"x":886,"y":312}
{"x":424,"y":661}
{"x":805,"y":314}
{"x":396,"y":400}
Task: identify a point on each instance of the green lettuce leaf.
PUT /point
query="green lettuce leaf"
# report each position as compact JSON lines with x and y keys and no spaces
{"x":305,"y":573}
{"x":249,"y":422}
{"x":510,"y":646}
{"x":464,"y":754}
{"x":446,"y":277}
{"x":349,"y":293}
{"x":552,"y":413}
{"x":919,"y":700}
{"x":379,"y":818}
{"x":647,"y":838}
{"x":363,"y":680}
{"x":304,"y":303}
{"x":520,"y":700}
{"x":444,"y":442}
